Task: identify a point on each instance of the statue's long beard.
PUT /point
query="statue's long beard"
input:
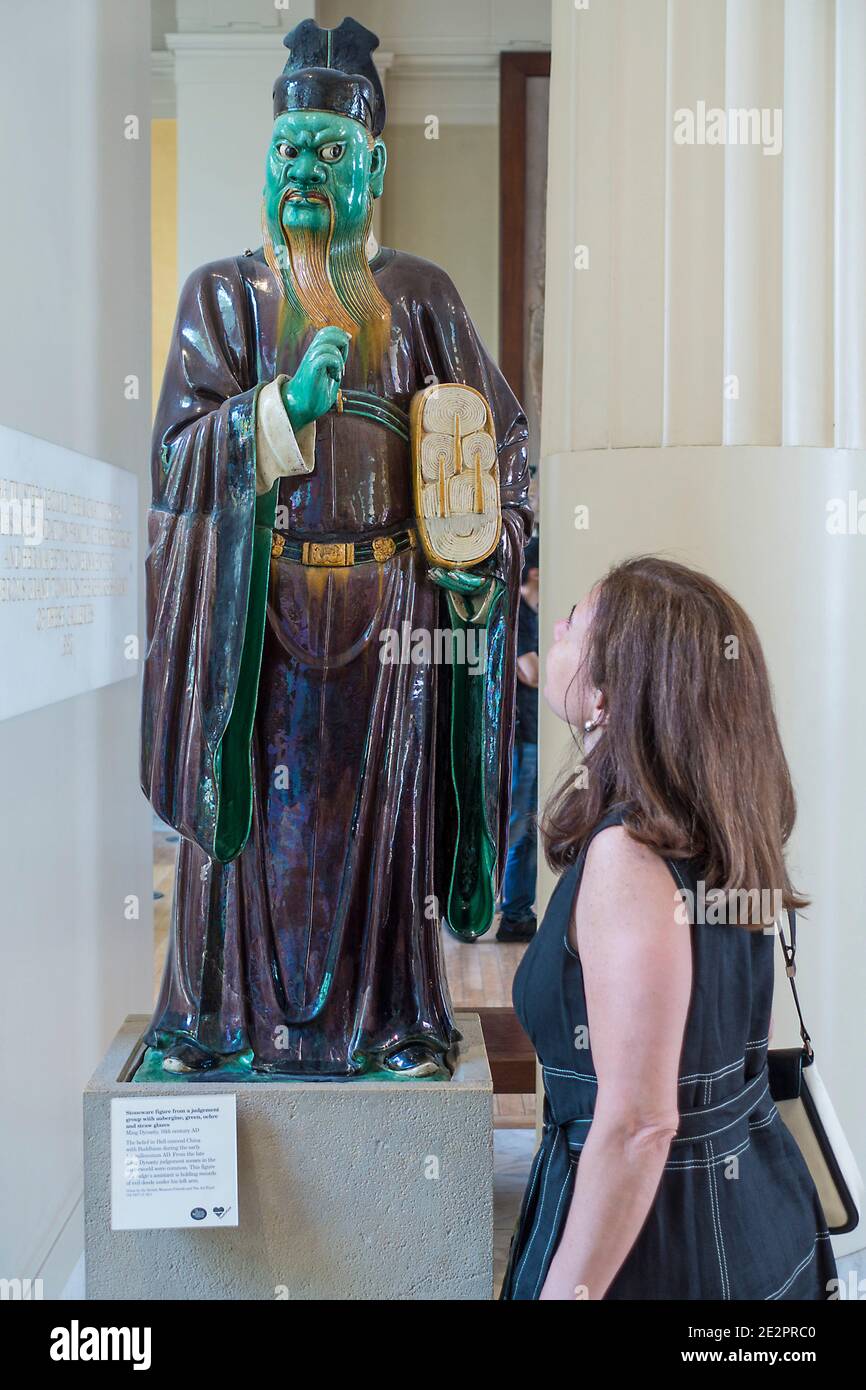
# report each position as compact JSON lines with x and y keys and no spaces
{"x":327,"y":280}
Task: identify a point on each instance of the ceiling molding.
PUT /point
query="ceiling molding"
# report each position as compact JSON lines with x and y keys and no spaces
{"x":425,"y":78}
{"x":163,"y":95}
{"x":226,"y":41}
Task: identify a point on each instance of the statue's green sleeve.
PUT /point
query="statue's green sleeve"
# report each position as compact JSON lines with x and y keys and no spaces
{"x":233,"y":762}
{"x":477,"y":625}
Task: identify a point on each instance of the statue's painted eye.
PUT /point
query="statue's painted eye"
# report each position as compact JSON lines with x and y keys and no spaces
{"x":286,"y":151}
{"x":332,"y":153}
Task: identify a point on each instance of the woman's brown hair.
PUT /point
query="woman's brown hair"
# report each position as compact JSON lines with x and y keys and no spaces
{"x":690,"y":744}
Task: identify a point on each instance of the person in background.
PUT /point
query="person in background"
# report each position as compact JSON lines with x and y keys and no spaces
{"x":518,"y":892}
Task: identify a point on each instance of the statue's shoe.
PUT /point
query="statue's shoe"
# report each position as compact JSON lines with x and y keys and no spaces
{"x":188,"y":1056}
{"x":416,"y":1060}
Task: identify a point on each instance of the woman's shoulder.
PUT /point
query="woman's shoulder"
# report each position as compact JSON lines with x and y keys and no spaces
{"x":619,"y":867}
{"x":626,"y":911}
{"x":612,"y":847}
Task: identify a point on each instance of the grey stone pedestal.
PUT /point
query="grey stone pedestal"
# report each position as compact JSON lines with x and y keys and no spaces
{"x":349,"y":1190}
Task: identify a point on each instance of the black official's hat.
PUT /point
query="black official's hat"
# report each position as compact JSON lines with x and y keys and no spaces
{"x":332,"y":70}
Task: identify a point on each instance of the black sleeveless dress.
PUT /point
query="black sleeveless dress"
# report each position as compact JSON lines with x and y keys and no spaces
{"x":736,"y":1214}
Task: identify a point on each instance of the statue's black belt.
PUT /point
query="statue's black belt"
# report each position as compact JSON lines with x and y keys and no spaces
{"x":366,"y":405}
{"x":338,"y":554}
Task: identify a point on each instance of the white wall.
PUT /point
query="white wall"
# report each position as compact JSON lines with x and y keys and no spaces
{"x":74,"y":827}
{"x":163,"y":19}
{"x":408,"y":25}
{"x":227,"y":55}
{"x":417,"y":218}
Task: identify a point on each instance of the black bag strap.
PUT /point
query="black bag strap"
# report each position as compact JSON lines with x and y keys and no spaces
{"x":789,"y":951}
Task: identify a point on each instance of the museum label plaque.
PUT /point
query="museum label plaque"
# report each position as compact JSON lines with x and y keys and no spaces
{"x":68,"y":573}
{"x":173,"y":1163}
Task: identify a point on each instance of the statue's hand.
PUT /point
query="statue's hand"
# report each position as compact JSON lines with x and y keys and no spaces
{"x":458,"y":581}
{"x":313,"y":389}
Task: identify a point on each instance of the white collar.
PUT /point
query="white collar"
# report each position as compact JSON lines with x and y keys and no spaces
{"x":372,"y":247}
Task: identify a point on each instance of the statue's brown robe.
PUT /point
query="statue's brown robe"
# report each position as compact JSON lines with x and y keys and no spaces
{"x":303,"y":774}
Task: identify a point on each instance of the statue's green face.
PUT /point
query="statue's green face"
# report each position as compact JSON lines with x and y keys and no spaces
{"x":318,"y":160}
{"x":323,"y":173}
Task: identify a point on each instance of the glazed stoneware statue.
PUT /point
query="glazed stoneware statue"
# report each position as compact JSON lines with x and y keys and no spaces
{"x":339,"y":512}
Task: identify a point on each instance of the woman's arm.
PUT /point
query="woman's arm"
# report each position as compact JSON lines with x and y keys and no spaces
{"x":527,"y":669}
{"x":637,"y":969}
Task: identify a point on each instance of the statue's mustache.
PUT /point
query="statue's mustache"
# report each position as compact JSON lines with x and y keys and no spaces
{"x":304,"y":195}
{"x":279,"y":255}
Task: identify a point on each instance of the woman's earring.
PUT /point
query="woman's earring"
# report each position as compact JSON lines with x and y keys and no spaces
{"x":591,"y":725}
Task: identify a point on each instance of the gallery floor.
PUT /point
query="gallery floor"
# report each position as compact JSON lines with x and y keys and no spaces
{"x":479,"y":975}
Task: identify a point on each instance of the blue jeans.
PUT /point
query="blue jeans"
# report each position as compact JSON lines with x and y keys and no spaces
{"x":518,"y":889}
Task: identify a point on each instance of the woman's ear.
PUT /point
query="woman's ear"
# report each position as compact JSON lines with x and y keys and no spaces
{"x":599,"y":709}
{"x":378,"y":165}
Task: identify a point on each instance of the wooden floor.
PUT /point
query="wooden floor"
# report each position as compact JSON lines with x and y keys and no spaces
{"x":479,"y":975}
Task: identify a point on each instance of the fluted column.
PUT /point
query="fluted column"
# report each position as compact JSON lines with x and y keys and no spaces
{"x":850,"y":225}
{"x":721,"y":294}
{"x":753,"y":56}
{"x":809,"y":216}
{"x":705,"y":384}
{"x":695,"y":231}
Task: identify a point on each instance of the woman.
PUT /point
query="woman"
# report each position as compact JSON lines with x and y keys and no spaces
{"x":665,"y":1171}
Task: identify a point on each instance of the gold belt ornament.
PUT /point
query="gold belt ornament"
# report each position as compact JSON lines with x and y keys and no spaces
{"x":340,"y":554}
{"x":383,"y":548}
{"x":332,"y":554}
